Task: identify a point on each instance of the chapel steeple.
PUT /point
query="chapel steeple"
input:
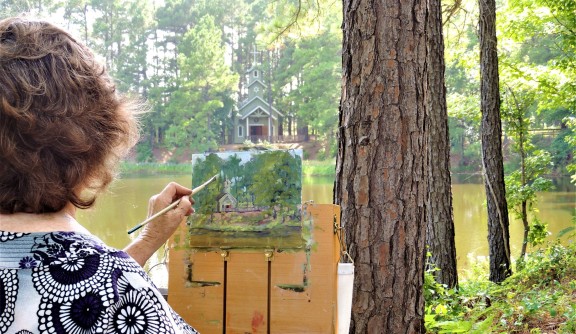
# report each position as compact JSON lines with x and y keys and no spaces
{"x":256,"y":85}
{"x":257,"y":119}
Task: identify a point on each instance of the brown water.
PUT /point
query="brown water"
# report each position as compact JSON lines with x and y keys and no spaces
{"x":126,"y":205}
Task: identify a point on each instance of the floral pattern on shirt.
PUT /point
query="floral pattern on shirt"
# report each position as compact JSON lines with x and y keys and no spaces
{"x":82,"y":286}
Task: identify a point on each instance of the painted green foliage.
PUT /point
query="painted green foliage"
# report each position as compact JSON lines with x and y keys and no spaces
{"x":202,"y":170}
{"x":265,"y":186}
{"x":277,"y":181}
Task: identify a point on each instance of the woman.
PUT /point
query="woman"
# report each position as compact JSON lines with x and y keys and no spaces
{"x":63,"y":128}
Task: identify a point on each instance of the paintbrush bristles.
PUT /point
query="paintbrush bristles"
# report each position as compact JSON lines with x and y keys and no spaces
{"x":200,"y":187}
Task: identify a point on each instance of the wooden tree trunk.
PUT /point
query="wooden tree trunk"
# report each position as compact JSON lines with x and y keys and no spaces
{"x":491,"y":132}
{"x":382,"y":161}
{"x":440,"y":223}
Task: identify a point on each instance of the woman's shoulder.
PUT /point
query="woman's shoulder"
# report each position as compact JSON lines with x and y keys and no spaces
{"x":74,"y":272}
{"x":35,"y":249}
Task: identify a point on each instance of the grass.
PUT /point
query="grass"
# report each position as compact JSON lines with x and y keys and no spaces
{"x":539,"y":298}
{"x":319,"y":168}
{"x":155,"y":168}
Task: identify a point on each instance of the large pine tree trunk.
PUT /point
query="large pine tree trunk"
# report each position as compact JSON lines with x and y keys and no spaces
{"x":382,"y":162}
{"x":440,"y":224}
{"x":491,"y":132}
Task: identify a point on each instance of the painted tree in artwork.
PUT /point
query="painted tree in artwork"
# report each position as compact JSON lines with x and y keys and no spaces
{"x":382,"y":161}
{"x":491,"y":133}
{"x":202,"y":170}
{"x":232,"y":170}
{"x":277,"y":182}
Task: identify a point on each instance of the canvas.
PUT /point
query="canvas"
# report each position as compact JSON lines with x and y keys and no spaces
{"x":254,"y":203}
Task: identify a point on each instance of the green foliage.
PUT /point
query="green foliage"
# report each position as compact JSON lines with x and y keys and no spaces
{"x":548,"y":266}
{"x":319,"y":168}
{"x":525,"y":191}
{"x":260,"y":145}
{"x":562,"y":150}
{"x":307,"y":72}
{"x":144,"y":152}
{"x":184,"y":58}
{"x":14,"y":7}
{"x":318,"y":64}
{"x":205,"y":83}
{"x":571,"y":140}
{"x":549,"y":25}
{"x":471,"y":157}
{"x":175,"y":16}
{"x":533,"y":299}
{"x":538,"y":232}
{"x":153,"y":168}
{"x":539,"y":45}
{"x":442,"y":307}
{"x":523,"y":183}
{"x":535,"y":43}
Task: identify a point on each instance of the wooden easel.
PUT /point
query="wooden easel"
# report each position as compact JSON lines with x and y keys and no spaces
{"x":238,"y":291}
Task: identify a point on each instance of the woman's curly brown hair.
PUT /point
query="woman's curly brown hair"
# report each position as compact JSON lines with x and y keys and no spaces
{"x":63,"y":127}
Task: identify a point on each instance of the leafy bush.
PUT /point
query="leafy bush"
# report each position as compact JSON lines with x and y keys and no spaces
{"x":144,"y":152}
{"x":536,"y":299}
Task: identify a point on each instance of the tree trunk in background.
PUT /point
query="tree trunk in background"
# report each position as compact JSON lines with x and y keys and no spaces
{"x":382,"y":161}
{"x":491,"y":132}
{"x":440,"y":222}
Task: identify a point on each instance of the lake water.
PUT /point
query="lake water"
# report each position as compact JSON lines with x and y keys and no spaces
{"x":125,"y":205}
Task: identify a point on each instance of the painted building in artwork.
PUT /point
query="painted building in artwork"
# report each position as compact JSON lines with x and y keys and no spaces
{"x":226,"y":202}
{"x":256,"y":120}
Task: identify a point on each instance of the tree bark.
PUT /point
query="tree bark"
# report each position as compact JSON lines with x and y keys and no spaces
{"x":440,"y":222}
{"x":491,"y":132}
{"x":381,"y":168}
{"x":524,"y":214}
{"x":524,"y":204}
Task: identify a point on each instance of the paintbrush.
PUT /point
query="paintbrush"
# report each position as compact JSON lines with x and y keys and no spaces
{"x":171,"y":206}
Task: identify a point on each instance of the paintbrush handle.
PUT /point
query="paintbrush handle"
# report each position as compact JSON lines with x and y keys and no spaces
{"x":154,"y":216}
{"x":171,"y":206}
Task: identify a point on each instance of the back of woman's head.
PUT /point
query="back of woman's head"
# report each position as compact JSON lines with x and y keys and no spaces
{"x":63,"y":127}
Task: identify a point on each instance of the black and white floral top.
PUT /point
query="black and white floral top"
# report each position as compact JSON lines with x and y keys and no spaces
{"x":65,"y":282}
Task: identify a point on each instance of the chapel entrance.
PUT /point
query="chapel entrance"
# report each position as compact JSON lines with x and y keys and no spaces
{"x":258,"y":132}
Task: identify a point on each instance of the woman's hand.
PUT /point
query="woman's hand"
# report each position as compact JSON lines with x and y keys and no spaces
{"x":156,"y":232}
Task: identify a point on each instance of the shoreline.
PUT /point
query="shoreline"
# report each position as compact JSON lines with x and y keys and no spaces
{"x":318,"y":168}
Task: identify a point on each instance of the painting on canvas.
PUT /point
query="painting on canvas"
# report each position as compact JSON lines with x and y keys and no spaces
{"x":254,"y":203}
